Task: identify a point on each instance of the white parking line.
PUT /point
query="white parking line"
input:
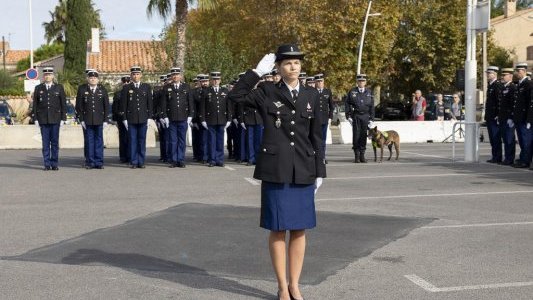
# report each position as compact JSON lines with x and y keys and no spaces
{"x":426,"y":155}
{"x":433,"y":289}
{"x":252,"y":181}
{"x":476,"y":225}
{"x":420,"y":175}
{"x":424,"y":196}
{"x":229,"y":168}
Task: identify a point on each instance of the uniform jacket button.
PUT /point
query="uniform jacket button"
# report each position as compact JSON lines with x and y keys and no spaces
{"x":293,"y":112}
{"x":292,"y":133}
{"x":292,"y":122}
{"x":292,"y":143}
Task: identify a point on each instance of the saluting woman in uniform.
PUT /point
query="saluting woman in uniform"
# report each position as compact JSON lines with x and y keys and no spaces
{"x":290,"y":162}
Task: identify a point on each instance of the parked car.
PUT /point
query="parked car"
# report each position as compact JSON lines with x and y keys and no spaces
{"x":6,"y":114}
{"x":431,"y":109}
{"x":392,"y":110}
{"x":338,"y":114}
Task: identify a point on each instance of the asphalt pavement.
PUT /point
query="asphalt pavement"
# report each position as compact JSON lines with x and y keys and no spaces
{"x":423,"y":227}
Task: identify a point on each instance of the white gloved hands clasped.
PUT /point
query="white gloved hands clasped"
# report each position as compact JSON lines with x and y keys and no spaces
{"x":204,"y":124}
{"x":510,"y":123}
{"x":62,"y":123}
{"x":370,"y":124}
{"x":228,"y":123}
{"x":189,"y":121}
{"x":350,"y":120}
{"x":125,"y":122}
{"x":37,"y":124}
{"x":266,"y":64}
{"x":318,"y":183}
{"x":243,"y":126}
{"x":236,"y":122}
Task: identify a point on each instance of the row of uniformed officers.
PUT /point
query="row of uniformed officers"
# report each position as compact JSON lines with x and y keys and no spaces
{"x":509,"y":114}
{"x":173,"y":105}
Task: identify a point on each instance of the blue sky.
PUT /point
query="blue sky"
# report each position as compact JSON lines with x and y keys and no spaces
{"x":123,"y":19}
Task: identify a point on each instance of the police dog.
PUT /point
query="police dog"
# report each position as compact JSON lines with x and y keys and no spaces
{"x":382,"y":139}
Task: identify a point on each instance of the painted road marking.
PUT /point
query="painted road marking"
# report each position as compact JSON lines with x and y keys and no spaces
{"x":424,"y":196}
{"x":252,"y":181}
{"x":229,"y":168}
{"x":422,"y":175}
{"x":477,"y":225}
{"x":433,"y":289}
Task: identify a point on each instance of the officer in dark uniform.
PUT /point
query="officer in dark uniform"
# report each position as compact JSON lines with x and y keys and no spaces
{"x":302,"y":77}
{"x":94,"y":111}
{"x":491,"y":114}
{"x":195,"y":130}
{"x":136,"y":107}
{"x":326,"y":107}
{"x":252,"y":123}
{"x":123,"y":148}
{"x":158,"y":116}
{"x":231,"y":131}
{"x":78,"y":113}
{"x":521,"y":107}
{"x":177,"y":106}
{"x":310,"y":81}
{"x":49,"y":109}
{"x":291,"y":164}
{"x":505,"y":116}
{"x":215,"y":116}
{"x":240,"y":131}
{"x":275,"y":76}
{"x":359,"y":112}
{"x":199,"y":131}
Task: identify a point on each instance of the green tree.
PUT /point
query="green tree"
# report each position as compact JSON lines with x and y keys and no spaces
{"x":9,"y":85}
{"x":42,"y":53}
{"x":54,"y":31}
{"x":77,"y":33}
{"x":181,"y":7}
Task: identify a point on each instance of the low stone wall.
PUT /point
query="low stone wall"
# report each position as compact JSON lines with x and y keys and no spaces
{"x":409,"y":131}
{"x":70,"y":136}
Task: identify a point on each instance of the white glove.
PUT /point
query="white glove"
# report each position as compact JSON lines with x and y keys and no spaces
{"x":167,"y":122}
{"x":163,"y":124}
{"x":228,"y":123}
{"x":189,"y":121}
{"x":510,"y":123}
{"x":195,"y":125}
{"x":528,"y":125}
{"x":37,"y":124}
{"x":125,"y":122}
{"x":83,"y":125}
{"x":370,"y":124}
{"x":318,"y":183}
{"x":236,"y":122}
{"x":350,"y":120}
{"x":204,"y":124}
{"x":243,"y":126}
{"x":266,"y":64}
{"x":105,"y":124}
{"x":62,"y":123}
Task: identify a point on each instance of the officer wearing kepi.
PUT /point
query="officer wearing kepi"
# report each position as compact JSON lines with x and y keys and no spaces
{"x":505,"y":116}
{"x":326,"y":107}
{"x":136,"y":107}
{"x":215,"y":115}
{"x":78,"y":113}
{"x":157,"y":117}
{"x":521,"y":107}
{"x":177,"y":108}
{"x":359,"y":112}
{"x":94,"y":110}
{"x":49,"y":110}
{"x":491,"y":114}
{"x":123,"y":148}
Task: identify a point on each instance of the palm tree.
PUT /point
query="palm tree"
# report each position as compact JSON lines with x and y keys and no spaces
{"x":164,"y":9}
{"x":54,"y":31}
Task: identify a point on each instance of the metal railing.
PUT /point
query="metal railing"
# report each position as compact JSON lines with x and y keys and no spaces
{"x":477,"y":125}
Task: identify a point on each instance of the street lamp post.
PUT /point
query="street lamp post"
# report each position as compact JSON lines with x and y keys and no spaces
{"x":368,"y":14}
{"x":31,"y":37}
{"x":470,"y":85}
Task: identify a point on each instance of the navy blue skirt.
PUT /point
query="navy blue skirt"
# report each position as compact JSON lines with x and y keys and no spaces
{"x":287,"y":206}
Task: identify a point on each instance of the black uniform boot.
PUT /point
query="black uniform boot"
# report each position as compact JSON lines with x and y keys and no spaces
{"x":362,"y":157}
{"x":356,"y":154}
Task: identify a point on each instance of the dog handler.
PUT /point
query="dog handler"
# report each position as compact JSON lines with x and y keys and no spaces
{"x":290,"y":162}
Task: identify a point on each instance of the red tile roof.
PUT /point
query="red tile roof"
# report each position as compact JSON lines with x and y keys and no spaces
{"x":119,"y":56}
{"x":13,"y":56}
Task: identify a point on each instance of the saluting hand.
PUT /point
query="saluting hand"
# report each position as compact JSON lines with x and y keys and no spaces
{"x":266,"y":64}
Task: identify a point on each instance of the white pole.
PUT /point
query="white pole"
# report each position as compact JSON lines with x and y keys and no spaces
{"x":31,"y":38}
{"x":470,"y":85}
{"x":363,"y":39}
{"x":485,"y":83}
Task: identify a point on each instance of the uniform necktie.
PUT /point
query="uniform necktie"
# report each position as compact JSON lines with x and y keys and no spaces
{"x":216,"y":89}
{"x":360,"y":90}
{"x":136,"y":85}
{"x":320,"y":91}
{"x":47,"y":87}
{"x":294,"y":95}
{"x":92,"y":90}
